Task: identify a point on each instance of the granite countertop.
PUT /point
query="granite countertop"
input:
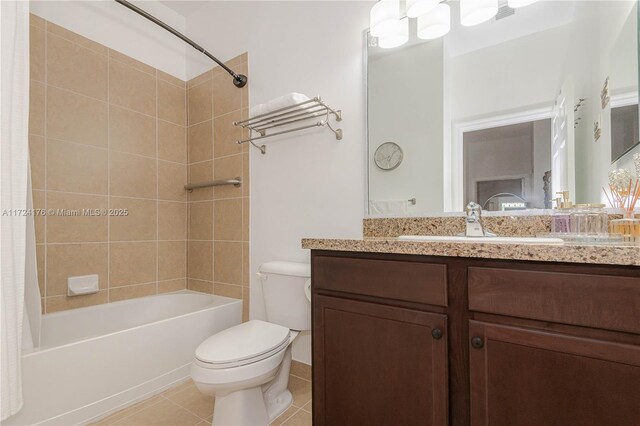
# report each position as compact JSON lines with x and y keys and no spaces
{"x":565,"y":253}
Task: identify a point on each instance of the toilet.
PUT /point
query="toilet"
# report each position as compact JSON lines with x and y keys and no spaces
{"x":246,"y":367}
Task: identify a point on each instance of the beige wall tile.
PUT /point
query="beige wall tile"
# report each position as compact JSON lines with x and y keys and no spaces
{"x":200,"y":142}
{"x":80,"y":228}
{"x":76,"y":68}
{"x":172,"y":260}
{"x":36,"y":21}
{"x":132,"y":132}
{"x":228,"y":220}
{"x":225,"y":168}
{"x":133,"y":176}
{"x":172,"y":220}
{"x":132,"y":89}
{"x":200,"y":260}
{"x":132,"y":263}
{"x":227,"y":290}
{"x":72,"y":260}
{"x":201,"y":220}
{"x":201,"y":172}
{"x":172,"y":285}
{"x":225,"y":135}
{"x":133,"y":63}
{"x":228,"y":262}
{"x":199,"y":285}
{"x":139,"y":224}
{"x":76,"y":38}
{"x":245,"y":219}
{"x":172,"y":103}
{"x":63,"y":303}
{"x":199,"y":100}
{"x":226,"y":96}
{"x":39,"y":203}
{"x":36,"y":108}
{"x":245,"y":132}
{"x":199,"y":79}
{"x":76,"y":118}
{"x":132,"y":292}
{"x":163,"y":76}
{"x":246,"y":272}
{"x":40,"y":263}
{"x":72,"y":167}
{"x":37,"y":161}
{"x":36,"y":53}
{"x":172,"y":142}
{"x":246,"y":175}
{"x":172,"y":177}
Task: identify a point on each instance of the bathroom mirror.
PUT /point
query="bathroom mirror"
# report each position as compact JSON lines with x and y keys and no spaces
{"x":506,"y":113}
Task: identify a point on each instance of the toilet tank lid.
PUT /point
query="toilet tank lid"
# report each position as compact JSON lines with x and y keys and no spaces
{"x":294,"y":269}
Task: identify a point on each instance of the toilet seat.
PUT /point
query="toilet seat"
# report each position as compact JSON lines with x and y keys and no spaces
{"x":242,"y":344}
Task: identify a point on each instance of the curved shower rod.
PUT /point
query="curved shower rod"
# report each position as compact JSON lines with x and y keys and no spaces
{"x":239,"y":80}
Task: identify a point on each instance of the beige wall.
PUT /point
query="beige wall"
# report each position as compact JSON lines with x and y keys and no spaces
{"x":218,"y":234}
{"x":106,"y":132}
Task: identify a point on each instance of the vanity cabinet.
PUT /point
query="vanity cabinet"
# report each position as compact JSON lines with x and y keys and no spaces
{"x":423,"y":340}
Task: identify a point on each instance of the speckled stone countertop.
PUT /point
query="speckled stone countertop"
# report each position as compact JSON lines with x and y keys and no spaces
{"x":565,"y":253}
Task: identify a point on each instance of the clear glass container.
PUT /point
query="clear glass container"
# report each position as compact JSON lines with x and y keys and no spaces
{"x":628,"y":228}
{"x":561,"y":221}
{"x":589,"y":220}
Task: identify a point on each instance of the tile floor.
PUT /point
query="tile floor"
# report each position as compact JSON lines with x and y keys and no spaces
{"x":184,"y":405}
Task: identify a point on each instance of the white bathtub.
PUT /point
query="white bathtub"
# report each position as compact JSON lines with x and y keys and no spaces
{"x":96,"y":360}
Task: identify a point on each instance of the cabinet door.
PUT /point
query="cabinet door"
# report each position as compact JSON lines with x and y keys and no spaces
{"x":378,"y":365}
{"x":527,"y":377}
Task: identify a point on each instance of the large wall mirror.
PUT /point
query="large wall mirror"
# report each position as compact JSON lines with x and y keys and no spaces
{"x":538,"y":100}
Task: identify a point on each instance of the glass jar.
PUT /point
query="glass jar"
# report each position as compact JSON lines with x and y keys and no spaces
{"x":589,"y":220}
{"x":561,"y":221}
{"x":628,"y":227}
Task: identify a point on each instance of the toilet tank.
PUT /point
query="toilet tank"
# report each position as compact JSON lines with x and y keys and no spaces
{"x":285,"y":299}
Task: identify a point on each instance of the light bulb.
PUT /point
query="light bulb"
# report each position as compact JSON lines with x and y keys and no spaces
{"x":383,"y":17}
{"x":474,"y":12}
{"x":436,"y":23}
{"x":417,"y":8}
{"x":397,"y":37}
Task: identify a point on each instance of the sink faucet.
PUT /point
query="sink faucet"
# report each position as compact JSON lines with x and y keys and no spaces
{"x":474,"y":222}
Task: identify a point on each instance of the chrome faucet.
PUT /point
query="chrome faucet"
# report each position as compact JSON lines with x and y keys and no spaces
{"x":474,"y":222}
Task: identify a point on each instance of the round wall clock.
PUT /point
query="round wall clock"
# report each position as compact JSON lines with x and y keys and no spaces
{"x":388,"y":156}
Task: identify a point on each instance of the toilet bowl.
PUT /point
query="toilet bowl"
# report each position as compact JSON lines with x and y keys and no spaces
{"x":246,"y":367}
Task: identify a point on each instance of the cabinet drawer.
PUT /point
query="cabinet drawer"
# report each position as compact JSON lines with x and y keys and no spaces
{"x":389,"y":279}
{"x":599,"y":301}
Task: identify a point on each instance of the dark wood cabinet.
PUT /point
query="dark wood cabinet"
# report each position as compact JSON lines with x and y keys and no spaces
{"x":416,"y":340}
{"x":529,"y":377}
{"x":382,"y":365}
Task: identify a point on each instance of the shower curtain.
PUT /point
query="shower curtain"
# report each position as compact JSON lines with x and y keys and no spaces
{"x":14,"y":151}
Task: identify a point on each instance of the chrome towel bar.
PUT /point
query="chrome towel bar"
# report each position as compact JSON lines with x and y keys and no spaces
{"x":235,"y":182}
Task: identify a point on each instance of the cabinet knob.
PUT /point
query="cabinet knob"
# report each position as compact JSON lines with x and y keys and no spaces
{"x":436,"y":333}
{"x":477,"y":342}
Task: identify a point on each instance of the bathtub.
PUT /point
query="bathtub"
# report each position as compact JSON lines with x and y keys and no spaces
{"x":96,"y":360}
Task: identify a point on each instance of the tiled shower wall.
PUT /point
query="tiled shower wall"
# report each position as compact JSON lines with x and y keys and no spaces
{"x":218,"y":234}
{"x":109,"y":132}
{"x":106,"y":132}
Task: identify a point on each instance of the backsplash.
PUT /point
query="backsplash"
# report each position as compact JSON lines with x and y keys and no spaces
{"x":218,"y":234}
{"x":107,"y":133}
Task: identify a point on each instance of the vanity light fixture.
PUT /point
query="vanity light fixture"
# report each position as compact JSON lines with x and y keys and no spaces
{"x":416,"y":8}
{"x":435,"y":24}
{"x":384,"y":17}
{"x":514,"y":4}
{"x":398,"y":36}
{"x":474,"y":12}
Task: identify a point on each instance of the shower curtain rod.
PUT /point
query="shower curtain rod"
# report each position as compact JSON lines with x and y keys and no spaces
{"x":239,"y":80}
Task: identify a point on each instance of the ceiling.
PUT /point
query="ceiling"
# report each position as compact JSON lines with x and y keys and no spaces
{"x":183,"y":7}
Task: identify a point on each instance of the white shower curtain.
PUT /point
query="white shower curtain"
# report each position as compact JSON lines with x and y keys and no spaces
{"x":14,"y":151}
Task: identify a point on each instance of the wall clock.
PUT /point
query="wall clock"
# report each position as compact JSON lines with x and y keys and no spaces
{"x":388,"y":156}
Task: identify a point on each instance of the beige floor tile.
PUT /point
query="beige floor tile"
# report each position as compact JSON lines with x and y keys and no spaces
{"x":300,"y":389}
{"x":179,"y":388}
{"x":307,"y":407}
{"x":289,"y":412}
{"x":128,"y":411}
{"x":301,"y":370}
{"x":194,"y":401}
{"x":301,"y":418}
{"x":164,"y":412}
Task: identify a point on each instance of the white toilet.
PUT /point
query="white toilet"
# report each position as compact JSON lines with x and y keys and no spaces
{"x":246,"y":367}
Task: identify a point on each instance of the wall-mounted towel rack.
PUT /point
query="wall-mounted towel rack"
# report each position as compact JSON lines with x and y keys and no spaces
{"x":412,"y":201}
{"x":281,"y":118}
{"x":235,"y":182}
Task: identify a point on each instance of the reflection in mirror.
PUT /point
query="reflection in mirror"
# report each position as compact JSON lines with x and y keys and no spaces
{"x":504,"y":113}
